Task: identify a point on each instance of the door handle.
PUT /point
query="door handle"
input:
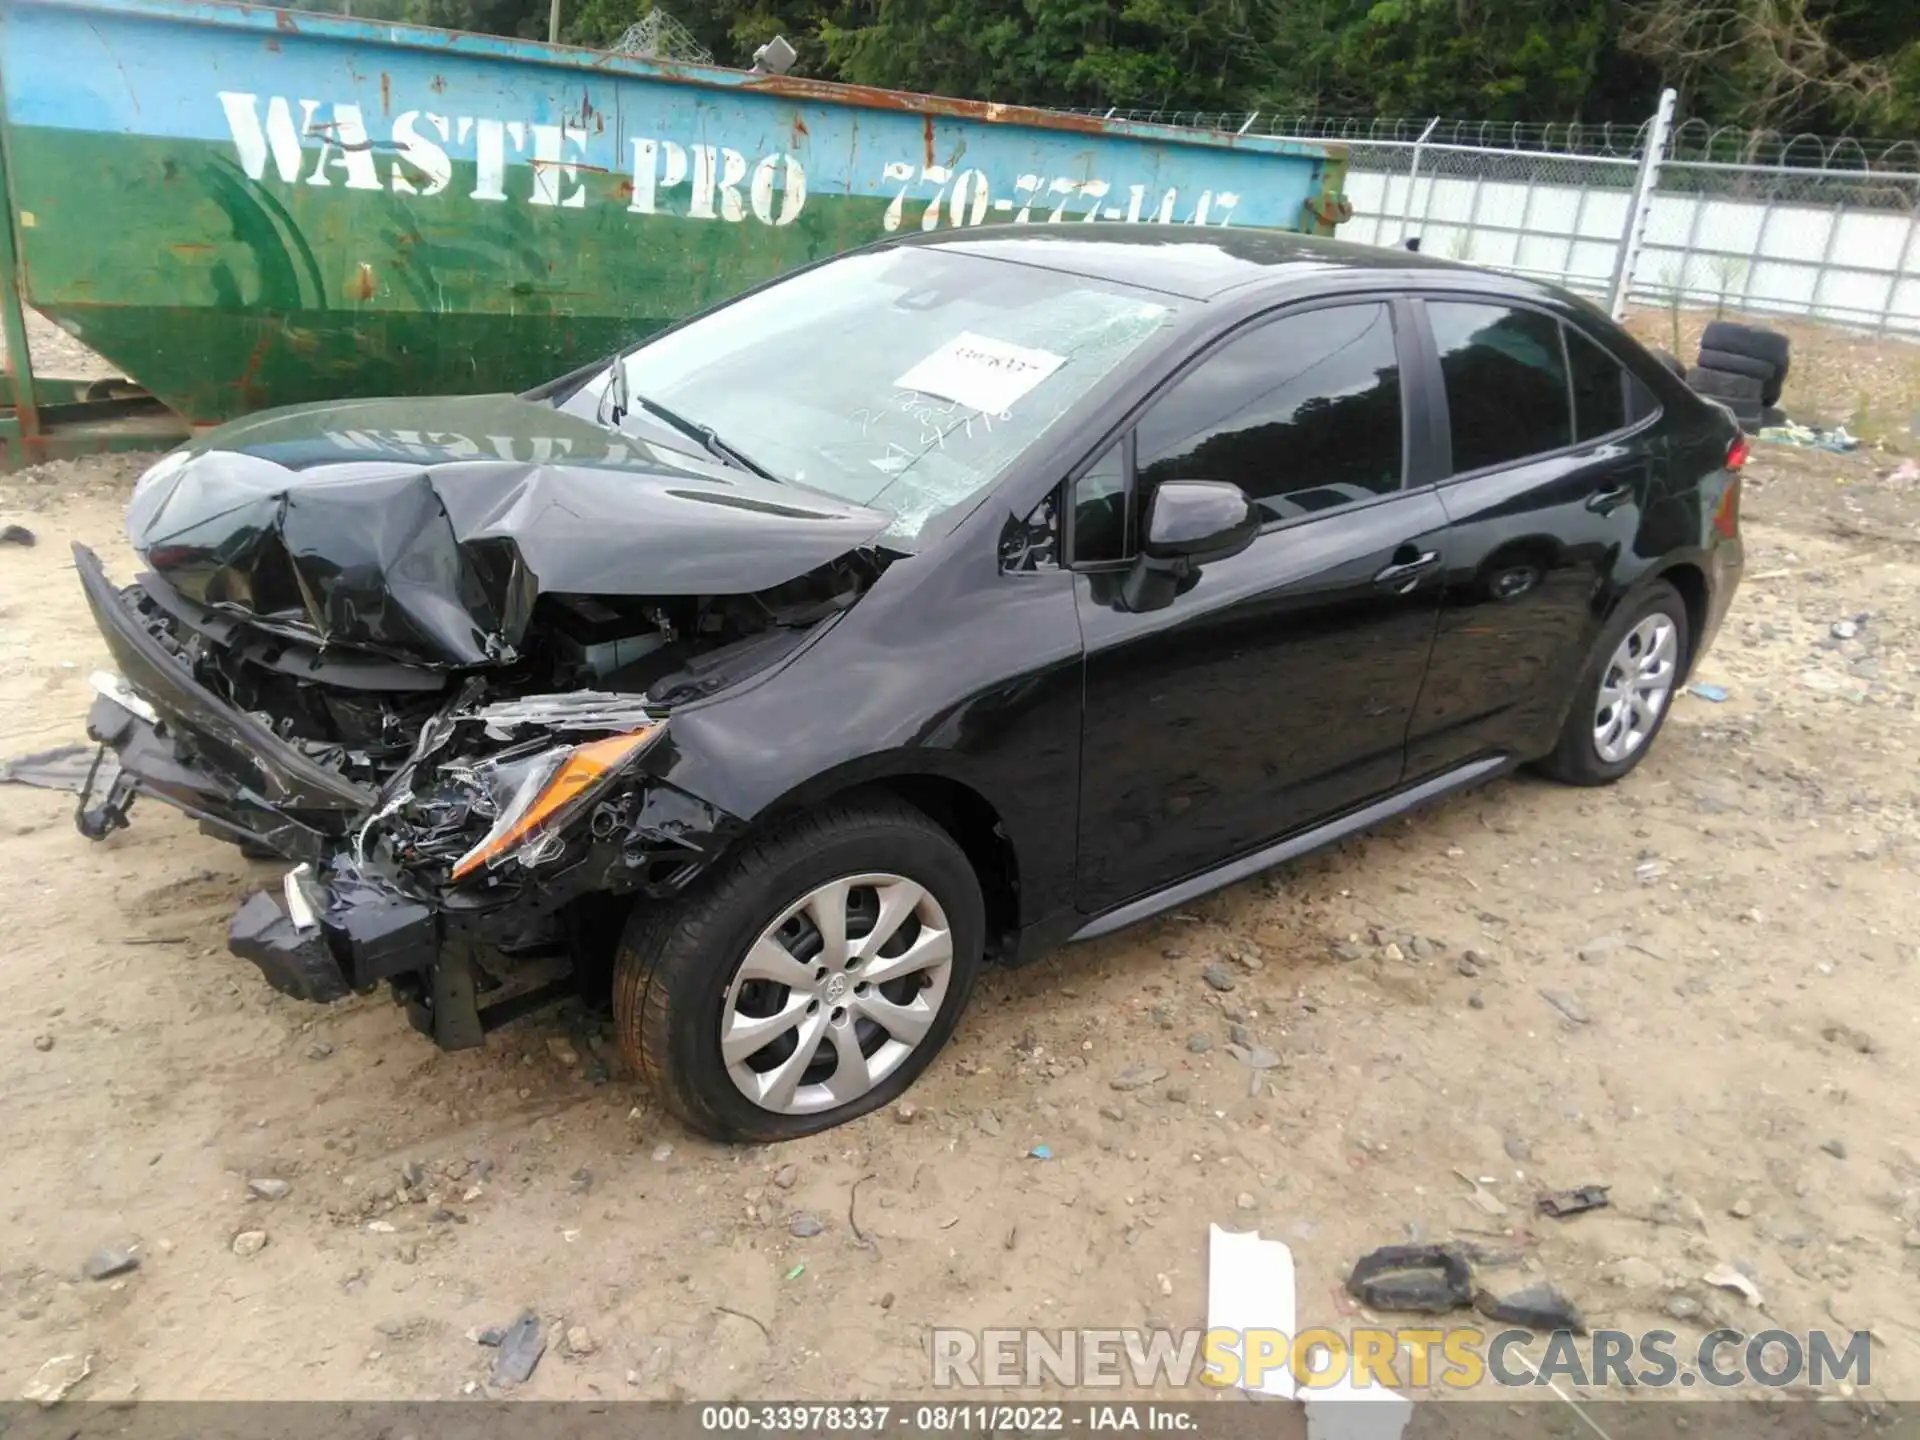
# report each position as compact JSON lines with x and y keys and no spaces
{"x":1403,"y":575}
{"x":1608,"y":501}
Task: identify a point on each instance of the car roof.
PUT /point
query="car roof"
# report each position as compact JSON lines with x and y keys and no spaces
{"x":1202,"y":264}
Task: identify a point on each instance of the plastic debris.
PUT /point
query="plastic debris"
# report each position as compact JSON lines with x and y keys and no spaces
{"x":520,"y":1350}
{"x":1250,"y":1289}
{"x":1807,"y":437}
{"x":109,"y":1261}
{"x":797,"y":1271}
{"x":1427,"y":1279}
{"x":1563,"y":1203}
{"x":1538,"y":1307}
{"x":1041,"y":1152}
{"x":1343,"y":1411}
{"x":63,"y":768}
{"x":1716,"y":693}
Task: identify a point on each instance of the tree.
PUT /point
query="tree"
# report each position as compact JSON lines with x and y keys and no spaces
{"x":1767,"y":64}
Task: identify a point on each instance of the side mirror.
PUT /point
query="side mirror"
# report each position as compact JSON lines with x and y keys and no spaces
{"x":1190,"y":523}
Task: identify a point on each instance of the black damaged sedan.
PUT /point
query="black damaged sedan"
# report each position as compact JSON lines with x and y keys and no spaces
{"x":931,"y":606}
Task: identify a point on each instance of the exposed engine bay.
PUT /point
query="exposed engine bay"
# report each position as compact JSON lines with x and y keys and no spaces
{"x":361,"y":715}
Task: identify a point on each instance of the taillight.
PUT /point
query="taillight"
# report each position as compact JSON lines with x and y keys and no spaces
{"x":1738,"y":452}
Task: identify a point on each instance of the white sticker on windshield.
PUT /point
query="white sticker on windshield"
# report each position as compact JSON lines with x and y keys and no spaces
{"x":980,"y":372}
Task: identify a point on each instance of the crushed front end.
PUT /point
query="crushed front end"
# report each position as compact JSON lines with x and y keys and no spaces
{"x":427,"y":651}
{"x":468,"y":878}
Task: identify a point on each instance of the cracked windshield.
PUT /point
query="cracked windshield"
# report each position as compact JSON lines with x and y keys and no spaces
{"x":944,"y":367}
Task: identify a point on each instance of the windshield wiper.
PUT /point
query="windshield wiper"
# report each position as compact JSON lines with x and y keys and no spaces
{"x":617,"y":402}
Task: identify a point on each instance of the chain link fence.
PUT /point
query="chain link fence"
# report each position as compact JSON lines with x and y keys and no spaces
{"x":1745,"y":221}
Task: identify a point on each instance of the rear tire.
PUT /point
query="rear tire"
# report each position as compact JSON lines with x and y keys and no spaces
{"x":746,"y":953}
{"x":1603,"y":741}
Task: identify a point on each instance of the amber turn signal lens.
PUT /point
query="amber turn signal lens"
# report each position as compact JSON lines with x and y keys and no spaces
{"x":583,"y":769}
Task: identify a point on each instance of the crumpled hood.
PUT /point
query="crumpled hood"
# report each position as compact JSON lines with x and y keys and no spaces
{"x":425,"y":529}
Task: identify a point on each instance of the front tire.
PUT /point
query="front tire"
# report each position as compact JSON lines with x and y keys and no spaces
{"x":809,"y":980}
{"x":1625,"y":692}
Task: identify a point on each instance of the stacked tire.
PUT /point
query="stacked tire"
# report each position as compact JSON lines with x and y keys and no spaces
{"x":1744,"y":367}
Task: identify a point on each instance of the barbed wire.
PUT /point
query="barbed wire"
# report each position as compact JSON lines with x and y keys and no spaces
{"x":1691,"y":140}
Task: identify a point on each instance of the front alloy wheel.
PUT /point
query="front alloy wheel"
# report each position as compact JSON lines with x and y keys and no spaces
{"x":836,"y":993}
{"x":809,"y":978}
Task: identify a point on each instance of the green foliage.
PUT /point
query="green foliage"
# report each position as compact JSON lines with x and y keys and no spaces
{"x":1527,"y":60}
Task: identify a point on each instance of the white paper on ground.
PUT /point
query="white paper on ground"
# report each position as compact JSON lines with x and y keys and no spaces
{"x":980,"y":372}
{"x":1250,"y":1287}
{"x":1340,"y":1411}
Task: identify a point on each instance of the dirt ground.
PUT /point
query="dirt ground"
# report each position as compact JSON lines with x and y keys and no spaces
{"x":1694,"y":988}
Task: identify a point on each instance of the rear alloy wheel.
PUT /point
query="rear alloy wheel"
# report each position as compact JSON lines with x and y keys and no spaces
{"x":1626,"y":692}
{"x":809,"y":979}
{"x":1635,"y":688}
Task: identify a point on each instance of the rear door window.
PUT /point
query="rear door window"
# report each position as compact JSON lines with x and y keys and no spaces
{"x":1506,"y":382}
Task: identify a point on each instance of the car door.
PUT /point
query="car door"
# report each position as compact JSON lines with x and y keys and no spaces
{"x":1550,"y":458}
{"x":1276,"y":687}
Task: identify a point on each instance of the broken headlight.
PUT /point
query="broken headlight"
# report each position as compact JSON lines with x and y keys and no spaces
{"x":538,"y":796}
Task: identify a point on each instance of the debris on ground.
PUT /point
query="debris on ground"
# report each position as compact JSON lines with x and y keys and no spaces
{"x":1137,"y":1077}
{"x":520,"y":1350}
{"x":1727,"y":1277}
{"x":268,"y":1188}
{"x":16,"y":535}
{"x":1341,"y":1410}
{"x":1568,"y":1004}
{"x":1808,"y":437}
{"x":1250,"y":1290}
{"x":56,"y":1377}
{"x":65,"y":767}
{"x":1484,"y":1200}
{"x":1538,"y":1307}
{"x":1560,"y":1204}
{"x":249,"y":1242}
{"x":1716,"y":693}
{"x":1425,"y":1279}
{"x":109,"y":1261}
